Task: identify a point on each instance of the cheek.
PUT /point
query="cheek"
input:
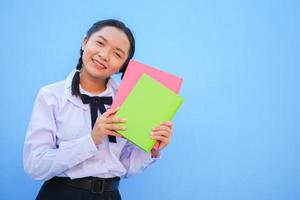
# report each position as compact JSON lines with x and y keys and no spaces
{"x":84,"y":59}
{"x":89,"y":51}
{"x":117,"y":64}
{"x":85,"y":56}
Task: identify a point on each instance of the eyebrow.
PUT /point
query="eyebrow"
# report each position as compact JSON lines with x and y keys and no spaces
{"x":103,"y":38}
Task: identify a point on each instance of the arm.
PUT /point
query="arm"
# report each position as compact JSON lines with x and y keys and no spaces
{"x":135,"y":160}
{"x":42,"y":158}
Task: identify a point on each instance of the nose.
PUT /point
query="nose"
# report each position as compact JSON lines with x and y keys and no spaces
{"x":103,"y":54}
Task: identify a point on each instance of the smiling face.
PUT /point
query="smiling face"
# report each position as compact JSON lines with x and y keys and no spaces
{"x":104,"y":53}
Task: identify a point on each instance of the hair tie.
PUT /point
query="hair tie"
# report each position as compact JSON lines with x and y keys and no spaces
{"x":77,"y":70}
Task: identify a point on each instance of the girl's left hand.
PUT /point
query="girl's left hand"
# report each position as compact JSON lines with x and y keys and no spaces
{"x":162,"y":133}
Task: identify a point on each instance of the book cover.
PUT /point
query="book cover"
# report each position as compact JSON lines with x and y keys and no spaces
{"x":147,"y":105}
{"x":133,"y":73}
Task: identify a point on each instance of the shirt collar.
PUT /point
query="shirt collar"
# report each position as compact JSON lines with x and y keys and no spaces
{"x":111,"y":89}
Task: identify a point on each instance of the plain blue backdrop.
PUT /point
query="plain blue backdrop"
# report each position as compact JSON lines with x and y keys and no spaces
{"x":237,"y":135}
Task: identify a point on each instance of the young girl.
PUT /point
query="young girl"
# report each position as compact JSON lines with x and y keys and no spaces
{"x":71,"y":141}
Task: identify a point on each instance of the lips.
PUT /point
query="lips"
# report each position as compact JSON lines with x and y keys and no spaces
{"x":99,"y":64}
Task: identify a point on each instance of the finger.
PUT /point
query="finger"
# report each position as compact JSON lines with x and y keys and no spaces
{"x":110,"y":111}
{"x":161,"y":133}
{"x":114,"y":120}
{"x":160,"y":138}
{"x":114,"y":127}
{"x":163,"y":128}
{"x":167,"y":123}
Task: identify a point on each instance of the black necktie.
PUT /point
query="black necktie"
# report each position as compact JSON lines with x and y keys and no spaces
{"x":95,"y":104}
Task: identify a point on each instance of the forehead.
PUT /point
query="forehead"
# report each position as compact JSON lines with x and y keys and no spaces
{"x":113,"y":36}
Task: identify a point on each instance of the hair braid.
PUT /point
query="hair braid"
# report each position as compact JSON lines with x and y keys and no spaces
{"x":76,"y":77}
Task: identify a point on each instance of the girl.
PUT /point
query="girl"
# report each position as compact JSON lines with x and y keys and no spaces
{"x":71,"y":141}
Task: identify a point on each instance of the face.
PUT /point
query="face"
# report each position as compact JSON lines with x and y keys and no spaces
{"x":104,"y":52}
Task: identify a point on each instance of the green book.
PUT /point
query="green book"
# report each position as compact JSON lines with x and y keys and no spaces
{"x":148,"y":104}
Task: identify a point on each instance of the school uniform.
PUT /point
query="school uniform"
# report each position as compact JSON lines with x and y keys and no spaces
{"x":59,"y":147}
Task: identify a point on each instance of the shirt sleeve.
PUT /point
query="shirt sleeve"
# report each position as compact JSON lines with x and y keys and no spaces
{"x":42,"y":158}
{"x":135,"y":160}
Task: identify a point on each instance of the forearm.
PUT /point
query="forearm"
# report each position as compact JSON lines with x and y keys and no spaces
{"x":44,"y":161}
{"x":136,"y":160}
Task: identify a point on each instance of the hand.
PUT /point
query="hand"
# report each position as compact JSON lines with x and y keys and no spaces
{"x":104,"y":126}
{"x":162,"y":133}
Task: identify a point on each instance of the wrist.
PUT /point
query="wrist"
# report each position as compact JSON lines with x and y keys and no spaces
{"x":154,"y":153}
{"x":97,"y":140}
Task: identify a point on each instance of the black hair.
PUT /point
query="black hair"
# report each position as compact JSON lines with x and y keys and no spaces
{"x":96,"y":27}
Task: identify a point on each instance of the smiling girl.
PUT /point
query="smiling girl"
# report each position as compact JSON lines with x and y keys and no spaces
{"x":71,"y":141}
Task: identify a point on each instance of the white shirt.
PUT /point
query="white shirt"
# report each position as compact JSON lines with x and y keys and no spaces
{"x":59,"y":142}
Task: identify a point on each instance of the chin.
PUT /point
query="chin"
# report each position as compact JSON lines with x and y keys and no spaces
{"x":95,"y":73}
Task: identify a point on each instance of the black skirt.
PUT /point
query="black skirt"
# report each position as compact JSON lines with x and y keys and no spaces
{"x":59,"y":189}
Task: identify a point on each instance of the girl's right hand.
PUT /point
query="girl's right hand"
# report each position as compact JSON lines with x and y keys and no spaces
{"x":104,"y":126}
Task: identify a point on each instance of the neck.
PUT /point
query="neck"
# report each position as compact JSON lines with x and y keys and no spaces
{"x":91,"y":84}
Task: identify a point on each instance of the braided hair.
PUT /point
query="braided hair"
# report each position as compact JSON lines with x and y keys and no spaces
{"x":96,"y":27}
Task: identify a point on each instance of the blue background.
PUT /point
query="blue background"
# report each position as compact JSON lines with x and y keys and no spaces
{"x":237,"y":135}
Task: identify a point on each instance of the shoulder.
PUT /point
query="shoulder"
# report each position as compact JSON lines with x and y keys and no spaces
{"x":52,"y":92}
{"x":53,"y":89}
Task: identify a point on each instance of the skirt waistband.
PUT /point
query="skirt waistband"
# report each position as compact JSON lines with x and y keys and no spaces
{"x":93,"y":184}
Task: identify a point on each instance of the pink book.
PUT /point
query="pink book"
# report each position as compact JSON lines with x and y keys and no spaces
{"x":133,"y":73}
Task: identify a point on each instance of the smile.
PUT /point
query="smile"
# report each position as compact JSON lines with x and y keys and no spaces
{"x":98,"y":64}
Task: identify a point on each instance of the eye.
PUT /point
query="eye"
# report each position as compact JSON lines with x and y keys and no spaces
{"x":100,"y":43}
{"x":117,"y":54}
